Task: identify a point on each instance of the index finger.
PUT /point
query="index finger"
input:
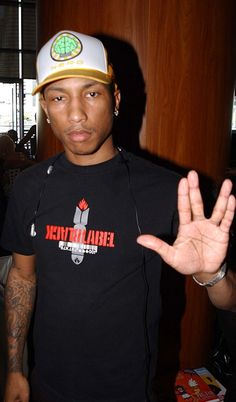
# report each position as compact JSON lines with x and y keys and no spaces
{"x":222,"y":202}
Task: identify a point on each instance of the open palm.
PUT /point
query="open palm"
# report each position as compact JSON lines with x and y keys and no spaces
{"x":201,"y":243}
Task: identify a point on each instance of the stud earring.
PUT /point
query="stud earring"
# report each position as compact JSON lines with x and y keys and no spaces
{"x":48,"y":120}
{"x":116,"y":112}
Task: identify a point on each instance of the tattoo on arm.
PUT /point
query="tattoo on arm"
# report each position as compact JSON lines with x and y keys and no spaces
{"x":19,"y":303}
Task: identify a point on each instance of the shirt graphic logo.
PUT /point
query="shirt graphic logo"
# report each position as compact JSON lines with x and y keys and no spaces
{"x":65,"y":47}
{"x":77,"y":239}
{"x":80,"y":221}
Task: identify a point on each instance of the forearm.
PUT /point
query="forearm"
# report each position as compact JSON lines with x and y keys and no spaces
{"x":19,"y":304}
{"x":223,"y":294}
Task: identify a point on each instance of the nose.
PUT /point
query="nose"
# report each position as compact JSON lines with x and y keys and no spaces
{"x":76,"y":110}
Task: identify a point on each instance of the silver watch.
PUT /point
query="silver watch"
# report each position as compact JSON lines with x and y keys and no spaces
{"x":220,"y":275}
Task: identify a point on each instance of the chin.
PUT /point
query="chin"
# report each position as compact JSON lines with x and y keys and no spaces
{"x":88,"y":149}
{"x":83,"y":151}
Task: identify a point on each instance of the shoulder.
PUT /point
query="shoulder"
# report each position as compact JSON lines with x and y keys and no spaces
{"x":36,"y":172}
{"x":145,"y":170}
{"x":30,"y":181}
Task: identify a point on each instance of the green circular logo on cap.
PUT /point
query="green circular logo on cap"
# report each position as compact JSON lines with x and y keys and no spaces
{"x":66,"y":46}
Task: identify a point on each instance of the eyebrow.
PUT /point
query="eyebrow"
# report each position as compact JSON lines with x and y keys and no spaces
{"x":85,"y":86}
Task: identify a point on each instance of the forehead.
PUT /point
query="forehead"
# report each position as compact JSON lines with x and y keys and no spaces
{"x":74,"y":83}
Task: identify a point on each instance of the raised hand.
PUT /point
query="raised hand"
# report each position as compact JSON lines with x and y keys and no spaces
{"x":201,"y":243}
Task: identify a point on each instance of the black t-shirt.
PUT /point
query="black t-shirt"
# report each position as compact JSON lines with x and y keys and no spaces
{"x":89,"y":331}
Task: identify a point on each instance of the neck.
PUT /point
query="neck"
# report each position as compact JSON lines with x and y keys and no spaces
{"x":93,"y":158}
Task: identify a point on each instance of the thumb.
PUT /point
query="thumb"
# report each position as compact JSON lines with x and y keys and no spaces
{"x":157,"y":245}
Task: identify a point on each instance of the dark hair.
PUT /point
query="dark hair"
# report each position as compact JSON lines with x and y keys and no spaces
{"x":13,"y":135}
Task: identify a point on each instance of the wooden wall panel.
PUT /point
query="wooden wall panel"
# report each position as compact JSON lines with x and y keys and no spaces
{"x":179,"y":57}
{"x":190,"y":87}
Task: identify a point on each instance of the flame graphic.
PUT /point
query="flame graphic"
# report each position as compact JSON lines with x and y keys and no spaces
{"x":83,"y":205}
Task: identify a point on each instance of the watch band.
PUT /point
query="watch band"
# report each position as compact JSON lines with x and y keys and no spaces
{"x":220,"y":275}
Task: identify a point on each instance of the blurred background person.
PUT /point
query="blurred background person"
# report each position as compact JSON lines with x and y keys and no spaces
{"x":11,"y":163}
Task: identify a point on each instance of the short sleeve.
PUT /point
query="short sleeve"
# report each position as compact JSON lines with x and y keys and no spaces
{"x":19,"y":216}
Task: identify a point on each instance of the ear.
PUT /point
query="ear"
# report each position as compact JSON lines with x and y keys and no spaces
{"x":117,"y":98}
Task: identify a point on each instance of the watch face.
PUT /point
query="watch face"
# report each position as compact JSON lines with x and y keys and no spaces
{"x":220,"y":275}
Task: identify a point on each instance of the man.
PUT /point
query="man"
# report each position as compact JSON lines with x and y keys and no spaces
{"x":72,"y":225}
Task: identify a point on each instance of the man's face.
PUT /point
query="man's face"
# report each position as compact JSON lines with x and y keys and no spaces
{"x":81,"y":115}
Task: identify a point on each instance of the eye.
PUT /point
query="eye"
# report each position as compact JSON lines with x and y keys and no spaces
{"x":92,"y":94}
{"x":58,"y":98}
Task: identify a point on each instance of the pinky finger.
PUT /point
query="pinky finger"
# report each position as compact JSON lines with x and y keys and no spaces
{"x":229,"y":214}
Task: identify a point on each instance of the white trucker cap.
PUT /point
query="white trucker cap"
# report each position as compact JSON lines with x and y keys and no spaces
{"x":71,"y":54}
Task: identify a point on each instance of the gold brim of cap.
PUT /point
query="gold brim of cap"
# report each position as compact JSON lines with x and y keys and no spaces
{"x":72,"y":73}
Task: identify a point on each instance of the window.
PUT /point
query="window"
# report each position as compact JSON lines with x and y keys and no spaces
{"x":17,"y":65}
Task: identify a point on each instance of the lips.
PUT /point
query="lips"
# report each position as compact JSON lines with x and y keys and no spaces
{"x":79,"y":135}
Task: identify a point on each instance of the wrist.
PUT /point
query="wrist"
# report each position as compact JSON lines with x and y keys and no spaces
{"x":14,"y":371}
{"x":15,"y":375}
{"x":213,"y":280}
